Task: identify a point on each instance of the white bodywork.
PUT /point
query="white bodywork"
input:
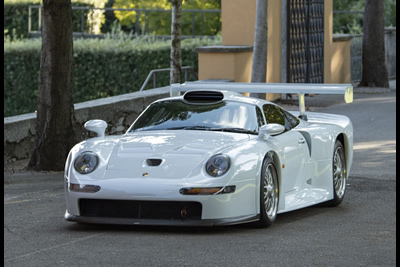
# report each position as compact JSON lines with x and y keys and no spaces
{"x":303,"y":158}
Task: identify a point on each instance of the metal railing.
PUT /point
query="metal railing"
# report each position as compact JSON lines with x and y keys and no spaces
{"x":356,"y":54}
{"x":140,"y":28}
{"x":153,"y":74}
{"x":356,"y":57}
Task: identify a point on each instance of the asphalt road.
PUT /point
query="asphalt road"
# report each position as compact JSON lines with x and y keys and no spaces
{"x":359,"y":232}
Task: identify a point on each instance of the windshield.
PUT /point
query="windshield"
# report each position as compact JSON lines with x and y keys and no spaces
{"x":179,"y":115}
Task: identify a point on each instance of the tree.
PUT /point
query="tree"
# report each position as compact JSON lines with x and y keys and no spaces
{"x":374,"y":71}
{"x":55,"y":111}
{"x":175,"y":58}
{"x":259,"y":66}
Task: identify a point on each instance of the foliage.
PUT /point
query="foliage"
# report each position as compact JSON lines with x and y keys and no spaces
{"x":102,"y":67}
{"x":352,"y":21}
{"x":95,"y":18}
{"x":16,"y":18}
{"x":348,"y":22}
{"x":159,"y":22}
{"x":390,"y":13}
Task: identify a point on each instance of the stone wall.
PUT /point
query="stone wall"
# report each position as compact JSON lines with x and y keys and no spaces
{"x":118,"y":111}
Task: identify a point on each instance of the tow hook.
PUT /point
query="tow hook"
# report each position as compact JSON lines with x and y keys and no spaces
{"x":183,"y":213}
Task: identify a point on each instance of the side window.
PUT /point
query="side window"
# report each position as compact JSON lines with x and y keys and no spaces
{"x":291,"y":118}
{"x":275,"y":114}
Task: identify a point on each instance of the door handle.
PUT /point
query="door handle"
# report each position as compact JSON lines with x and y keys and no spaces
{"x":302,"y":141}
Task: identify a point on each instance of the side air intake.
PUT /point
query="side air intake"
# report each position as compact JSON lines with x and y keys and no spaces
{"x":203,"y":96}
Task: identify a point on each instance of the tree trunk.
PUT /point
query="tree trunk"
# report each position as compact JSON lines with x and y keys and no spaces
{"x":259,"y":66}
{"x":55,"y":110}
{"x":374,"y":71}
{"x":176,"y":60}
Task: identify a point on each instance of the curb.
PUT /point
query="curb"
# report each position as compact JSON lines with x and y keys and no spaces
{"x":372,"y":90}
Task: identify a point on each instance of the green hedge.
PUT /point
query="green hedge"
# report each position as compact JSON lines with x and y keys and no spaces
{"x":102,"y":68}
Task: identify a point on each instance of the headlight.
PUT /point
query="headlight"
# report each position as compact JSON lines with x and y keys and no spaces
{"x":86,"y":162}
{"x":218,"y":165}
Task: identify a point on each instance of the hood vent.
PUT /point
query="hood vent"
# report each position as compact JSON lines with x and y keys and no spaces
{"x":153,"y":162}
{"x":203,"y":96}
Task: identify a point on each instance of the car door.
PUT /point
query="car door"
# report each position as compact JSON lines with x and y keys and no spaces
{"x":293,"y":146}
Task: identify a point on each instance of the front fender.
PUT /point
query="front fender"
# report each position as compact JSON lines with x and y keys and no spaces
{"x":102,"y":146}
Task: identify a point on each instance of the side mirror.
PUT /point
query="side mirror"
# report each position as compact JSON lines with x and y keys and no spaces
{"x":269,"y":130}
{"x":96,"y":126}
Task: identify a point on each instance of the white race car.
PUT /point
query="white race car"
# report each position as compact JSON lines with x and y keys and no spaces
{"x":212,"y":156}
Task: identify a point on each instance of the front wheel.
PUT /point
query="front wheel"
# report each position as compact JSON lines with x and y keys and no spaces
{"x":339,"y":175}
{"x":269,"y":194}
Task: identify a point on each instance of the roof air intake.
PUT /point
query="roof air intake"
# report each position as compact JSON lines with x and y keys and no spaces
{"x":203,"y":96}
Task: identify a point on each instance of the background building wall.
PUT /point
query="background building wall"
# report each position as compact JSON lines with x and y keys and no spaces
{"x":238,"y":25}
{"x":238,"y":22}
{"x":336,"y":53}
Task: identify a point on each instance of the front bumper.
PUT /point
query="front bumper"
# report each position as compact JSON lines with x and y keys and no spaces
{"x":218,"y":209}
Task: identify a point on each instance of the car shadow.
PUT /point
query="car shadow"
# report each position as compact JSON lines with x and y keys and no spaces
{"x":82,"y":227}
{"x":283,"y":220}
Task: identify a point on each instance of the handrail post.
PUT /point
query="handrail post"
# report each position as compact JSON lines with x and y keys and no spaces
{"x":146,"y":27}
{"x":40,"y":18}
{"x":137,"y":25}
{"x":29,"y":19}
{"x":153,"y":73}
{"x":193,"y":25}
{"x":82,"y":21}
{"x":202,"y":22}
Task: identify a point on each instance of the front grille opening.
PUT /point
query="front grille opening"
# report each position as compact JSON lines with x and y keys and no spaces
{"x":170,"y":210}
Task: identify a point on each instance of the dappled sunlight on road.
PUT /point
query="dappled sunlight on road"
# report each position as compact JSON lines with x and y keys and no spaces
{"x":375,"y":159}
{"x":387,"y":146}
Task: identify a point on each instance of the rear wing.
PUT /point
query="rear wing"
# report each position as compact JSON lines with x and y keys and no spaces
{"x":281,"y":88}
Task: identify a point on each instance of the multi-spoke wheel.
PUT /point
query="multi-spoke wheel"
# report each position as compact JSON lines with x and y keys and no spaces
{"x":269,"y":194}
{"x":338,"y":174}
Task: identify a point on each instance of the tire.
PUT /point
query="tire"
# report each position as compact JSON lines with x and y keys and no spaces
{"x":269,"y":194}
{"x":339,"y":173}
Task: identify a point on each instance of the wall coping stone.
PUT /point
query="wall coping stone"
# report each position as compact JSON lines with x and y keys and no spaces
{"x":390,"y":29}
{"x":224,"y":49}
{"x":340,"y":37}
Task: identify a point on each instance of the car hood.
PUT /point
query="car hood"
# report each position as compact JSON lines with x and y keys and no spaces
{"x":167,"y":154}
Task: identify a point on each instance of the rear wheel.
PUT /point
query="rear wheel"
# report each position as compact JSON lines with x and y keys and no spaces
{"x":269,"y":194}
{"x":339,"y":175}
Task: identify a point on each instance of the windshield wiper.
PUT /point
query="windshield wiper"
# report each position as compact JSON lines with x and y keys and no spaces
{"x":207,"y":128}
{"x":234,"y":130}
{"x":190,"y":128}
